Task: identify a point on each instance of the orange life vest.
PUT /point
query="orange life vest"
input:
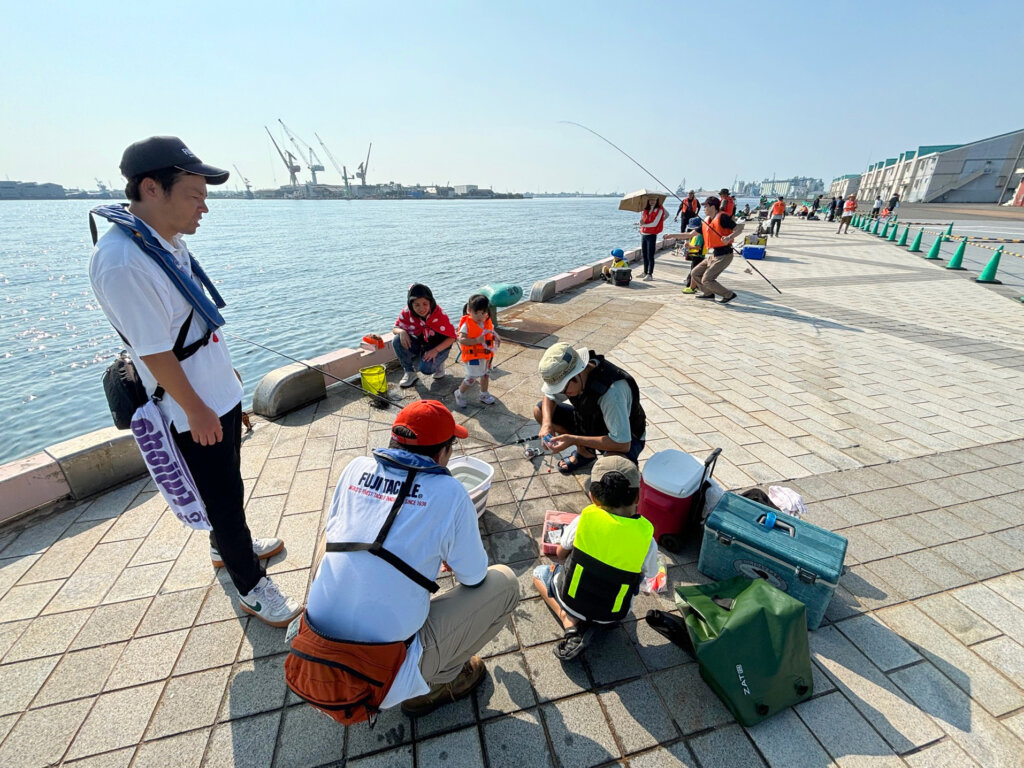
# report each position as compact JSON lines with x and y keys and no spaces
{"x":653,"y":221}
{"x":778,"y":208}
{"x":714,"y":232}
{"x":477,"y":351}
{"x":849,"y":206}
{"x":728,"y":205}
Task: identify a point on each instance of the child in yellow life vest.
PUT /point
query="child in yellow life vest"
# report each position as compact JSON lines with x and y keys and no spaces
{"x":618,"y":260}
{"x":477,"y":340}
{"x":696,"y":250}
{"x":609,"y":549}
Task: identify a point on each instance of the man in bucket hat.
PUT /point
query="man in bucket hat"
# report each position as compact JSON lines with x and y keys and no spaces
{"x":603,"y":413}
{"x":152,"y":291}
{"x":366,"y":597}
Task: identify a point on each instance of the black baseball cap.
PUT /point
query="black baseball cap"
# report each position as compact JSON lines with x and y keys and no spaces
{"x":159,"y":152}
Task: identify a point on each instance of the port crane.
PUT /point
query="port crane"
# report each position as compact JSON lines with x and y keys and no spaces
{"x":364,"y":167}
{"x":245,"y":181}
{"x":314,"y":163}
{"x":289,"y":162}
{"x":339,"y":168}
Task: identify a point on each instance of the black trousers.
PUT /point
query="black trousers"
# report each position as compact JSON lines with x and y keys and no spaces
{"x":217,"y":470}
{"x":647,"y":246}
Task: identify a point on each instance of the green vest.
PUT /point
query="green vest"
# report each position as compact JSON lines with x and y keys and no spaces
{"x":605,"y":566}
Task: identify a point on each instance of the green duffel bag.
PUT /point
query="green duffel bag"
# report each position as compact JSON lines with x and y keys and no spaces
{"x":750,"y":640}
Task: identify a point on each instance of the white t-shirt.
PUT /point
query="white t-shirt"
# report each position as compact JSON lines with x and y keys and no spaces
{"x":143,"y":304}
{"x":650,"y":567}
{"x":359,"y":597}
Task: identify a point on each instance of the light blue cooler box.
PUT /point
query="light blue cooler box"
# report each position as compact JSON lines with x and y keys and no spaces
{"x":742,"y":537}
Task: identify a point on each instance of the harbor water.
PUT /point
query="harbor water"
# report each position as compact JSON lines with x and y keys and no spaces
{"x":303,"y":277}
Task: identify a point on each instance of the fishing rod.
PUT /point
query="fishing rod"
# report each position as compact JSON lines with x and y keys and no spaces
{"x":663,"y":184}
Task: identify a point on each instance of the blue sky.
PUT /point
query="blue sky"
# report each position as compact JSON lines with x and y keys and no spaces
{"x":473,"y":92}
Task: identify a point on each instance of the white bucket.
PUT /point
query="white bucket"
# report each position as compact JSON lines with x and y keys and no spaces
{"x":475,"y":476}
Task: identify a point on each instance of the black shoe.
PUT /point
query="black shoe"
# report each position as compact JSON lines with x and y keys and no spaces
{"x":727,"y":299}
{"x":705,"y":296}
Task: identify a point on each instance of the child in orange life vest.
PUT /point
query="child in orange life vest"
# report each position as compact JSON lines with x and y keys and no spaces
{"x":477,"y":340}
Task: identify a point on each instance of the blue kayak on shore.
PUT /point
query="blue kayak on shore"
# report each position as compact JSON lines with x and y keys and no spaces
{"x":502,"y":294}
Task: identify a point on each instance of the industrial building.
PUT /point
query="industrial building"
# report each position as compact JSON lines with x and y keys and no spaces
{"x":985,"y":171}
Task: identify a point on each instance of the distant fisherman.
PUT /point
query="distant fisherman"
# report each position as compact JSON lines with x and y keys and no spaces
{"x":147,"y":283}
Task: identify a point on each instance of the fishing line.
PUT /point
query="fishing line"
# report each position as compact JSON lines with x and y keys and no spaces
{"x":664,"y":185}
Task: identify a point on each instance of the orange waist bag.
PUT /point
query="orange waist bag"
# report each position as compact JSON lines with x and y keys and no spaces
{"x":346,"y":681}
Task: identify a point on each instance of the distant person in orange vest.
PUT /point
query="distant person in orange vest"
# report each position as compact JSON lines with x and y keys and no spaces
{"x":720,"y":230}
{"x":477,"y":342}
{"x":688,"y":209}
{"x":652,"y":221}
{"x":849,"y":208}
{"x":778,"y":213}
{"x":728,"y":203}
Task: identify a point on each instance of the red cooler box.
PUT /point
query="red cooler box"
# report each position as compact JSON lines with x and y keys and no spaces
{"x":671,"y":493}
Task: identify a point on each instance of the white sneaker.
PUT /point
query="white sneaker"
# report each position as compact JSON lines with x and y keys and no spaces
{"x":264,"y":549}
{"x":439,"y":372}
{"x":487,"y":398}
{"x":266,"y":603}
{"x":460,"y":399}
{"x":408,"y":379}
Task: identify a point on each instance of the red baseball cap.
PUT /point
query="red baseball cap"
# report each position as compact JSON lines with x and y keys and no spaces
{"x":430,"y":421}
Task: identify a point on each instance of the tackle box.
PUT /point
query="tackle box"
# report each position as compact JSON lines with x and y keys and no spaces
{"x":755,"y":240}
{"x":742,"y":537}
{"x":551,"y":533}
{"x":621,"y":275}
{"x":753,"y":252}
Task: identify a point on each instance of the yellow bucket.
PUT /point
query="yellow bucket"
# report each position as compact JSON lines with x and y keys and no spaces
{"x":374,"y":380}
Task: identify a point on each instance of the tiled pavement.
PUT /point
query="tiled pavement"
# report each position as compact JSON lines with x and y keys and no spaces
{"x":887,"y":391}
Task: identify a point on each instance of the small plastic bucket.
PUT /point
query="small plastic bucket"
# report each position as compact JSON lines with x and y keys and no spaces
{"x":475,"y":476}
{"x":374,"y":380}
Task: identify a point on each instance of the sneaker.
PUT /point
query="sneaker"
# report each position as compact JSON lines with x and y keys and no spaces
{"x":689,"y":290}
{"x":487,"y":398}
{"x":439,"y":372}
{"x":460,"y":399}
{"x":727,"y":299}
{"x":705,"y":295}
{"x":469,"y":678}
{"x":647,"y":276}
{"x":408,"y":379}
{"x":264,"y":549}
{"x":266,"y":603}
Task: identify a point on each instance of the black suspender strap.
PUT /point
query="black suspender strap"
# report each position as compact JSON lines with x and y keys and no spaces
{"x":376,"y":547}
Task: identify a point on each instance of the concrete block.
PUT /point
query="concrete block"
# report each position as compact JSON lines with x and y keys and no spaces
{"x":726,"y":747}
{"x":461,"y":749}
{"x":568,"y":280}
{"x":843,"y":732}
{"x":42,"y":735}
{"x":287,"y":389}
{"x":692,"y":704}
{"x":22,"y":681}
{"x":553,"y":679}
{"x":676,"y":756}
{"x":543,"y":290}
{"x":309,"y":738}
{"x":245,"y":742}
{"x":117,"y":720}
{"x":28,"y":483}
{"x":450,"y":717}
{"x":786,"y":741}
{"x":516,"y":741}
{"x":79,"y":674}
{"x":98,"y":460}
{"x":878,"y":642}
{"x":945,"y":754}
{"x":189,"y":702}
{"x":579,"y":732}
{"x":146,"y":659}
{"x":182,"y":751}
{"x":507,"y":688}
{"x":965,"y":625}
{"x":393,"y":758}
{"x":345,"y":363}
{"x":997,"y":610}
{"x":611,"y":657}
{"x":637,"y":716}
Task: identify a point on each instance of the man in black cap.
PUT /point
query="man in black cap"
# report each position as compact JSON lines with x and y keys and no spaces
{"x":148,"y":285}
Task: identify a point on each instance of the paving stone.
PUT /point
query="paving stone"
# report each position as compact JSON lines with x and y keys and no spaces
{"x":656,"y":651}
{"x":61,"y":559}
{"x":83,"y":590}
{"x":861,"y":548}
{"x":552,"y":678}
{"x":611,"y":657}
{"x":507,"y":687}
{"x":1000,"y":612}
{"x":461,"y":749}
{"x":164,"y":542}
{"x":964,"y":721}
{"x":392,"y":729}
{"x":117,"y":720}
{"x":110,"y":623}
{"x":450,"y":717}
{"x":26,"y":602}
{"x":188,"y":702}
{"x":47,"y":635}
{"x":675,"y":756}
{"x":900,"y":723}
{"x":210,"y":645}
{"x":870,"y":589}
{"x":784,"y":740}
{"x":846,"y":736}
{"x":246,"y":742}
{"x":535,"y":623}
{"x":879,"y":643}
{"x":726,"y":747}
{"x":513,"y":546}
{"x":990,"y":546}
{"x":959,"y":663}
{"x":945,"y":754}
{"x":1015,"y":724}
{"x":141,"y":581}
{"x":517,"y":741}
{"x":912,"y":583}
{"x":182,"y":751}
{"x":961,"y":622}
{"x":299,"y":533}
{"x":637,"y":716}
{"x":175,"y":610}
{"x":393,"y":758}
{"x":936,"y":569}
{"x":1003,"y":654}
{"x":42,"y":533}
{"x":22,"y":681}
{"x":42,"y":735}
{"x":919,"y":528}
{"x":690,"y":702}
{"x":1010,"y":587}
{"x":308,"y":738}
{"x":255,"y":686}
{"x":146,"y":659}
{"x":579,"y":732}
{"x":119,"y":758}
{"x":79,"y":674}
{"x":503,"y":642}
{"x":890,"y":538}
{"x":260,"y":639}
{"x":969,"y":560}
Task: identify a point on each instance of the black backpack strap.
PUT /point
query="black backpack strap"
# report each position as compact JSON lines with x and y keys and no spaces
{"x":376,"y":547}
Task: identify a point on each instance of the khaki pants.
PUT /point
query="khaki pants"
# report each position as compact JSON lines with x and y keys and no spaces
{"x":705,"y":275}
{"x":463,"y":620}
